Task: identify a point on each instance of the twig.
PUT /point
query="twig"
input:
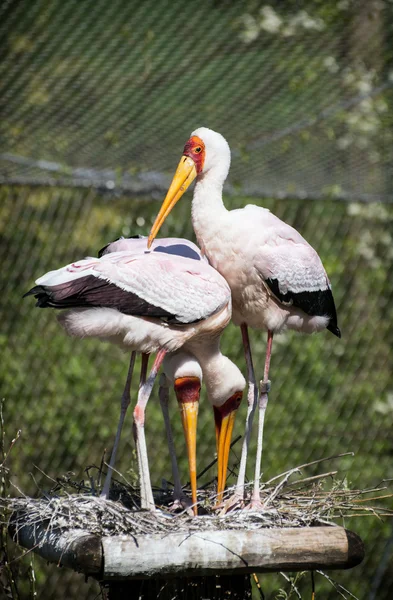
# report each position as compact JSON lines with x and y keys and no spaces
{"x":339,"y":588}
{"x":312,"y":586}
{"x":314,"y":462}
{"x":292,"y":584}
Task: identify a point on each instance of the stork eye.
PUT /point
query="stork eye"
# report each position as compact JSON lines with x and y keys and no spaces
{"x":197,"y":150}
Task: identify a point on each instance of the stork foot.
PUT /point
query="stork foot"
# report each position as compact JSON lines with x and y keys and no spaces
{"x":179,"y":501}
{"x":183,"y":503}
{"x":255,"y":506}
{"x":234,"y":502}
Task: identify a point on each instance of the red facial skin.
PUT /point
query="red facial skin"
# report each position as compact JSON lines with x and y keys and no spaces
{"x":187,"y":389}
{"x":230,"y":405}
{"x":195,"y":149}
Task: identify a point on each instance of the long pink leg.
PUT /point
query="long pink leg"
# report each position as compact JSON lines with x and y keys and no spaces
{"x":252,"y":403}
{"x":147,"y":500}
{"x":263,"y":400}
{"x":125,"y":402}
{"x":142,"y":381}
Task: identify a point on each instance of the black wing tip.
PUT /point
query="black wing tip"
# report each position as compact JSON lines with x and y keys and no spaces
{"x":29,"y":293}
{"x":334,"y":329}
{"x":103,"y":250}
{"x":37,"y":289}
{"x":41,"y":295}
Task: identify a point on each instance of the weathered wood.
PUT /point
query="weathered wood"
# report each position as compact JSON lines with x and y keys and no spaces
{"x":230,"y":552}
{"x":76,"y":549}
{"x":197,"y":554}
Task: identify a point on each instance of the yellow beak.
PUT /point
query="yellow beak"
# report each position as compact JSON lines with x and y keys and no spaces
{"x":224,"y":428}
{"x":189,"y":417}
{"x":183,"y":178}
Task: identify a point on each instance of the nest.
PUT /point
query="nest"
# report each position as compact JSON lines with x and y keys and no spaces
{"x":289,"y":500}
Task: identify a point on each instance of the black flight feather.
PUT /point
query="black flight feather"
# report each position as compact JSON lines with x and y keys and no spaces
{"x":316,"y":303}
{"x":92,"y":292}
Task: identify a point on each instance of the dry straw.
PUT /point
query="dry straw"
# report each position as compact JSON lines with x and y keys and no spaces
{"x":290,"y":499}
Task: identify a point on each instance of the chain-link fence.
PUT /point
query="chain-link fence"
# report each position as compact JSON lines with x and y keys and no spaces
{"x":103,"y":93}
{"x":97,"y":101}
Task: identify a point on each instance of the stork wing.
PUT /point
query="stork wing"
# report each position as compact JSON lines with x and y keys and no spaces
{"x":294,"y":274}
{"x":187,"y":289}
{"x":176,"y":289}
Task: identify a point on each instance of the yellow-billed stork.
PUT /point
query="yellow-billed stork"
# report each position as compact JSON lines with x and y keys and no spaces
{"x":276,"y":278}
{"x":153,"y":302}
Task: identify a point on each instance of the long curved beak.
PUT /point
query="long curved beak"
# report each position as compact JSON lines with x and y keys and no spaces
{"x":189,"y":417}
{"x":224,"y":428}
{"x":183,"y":178}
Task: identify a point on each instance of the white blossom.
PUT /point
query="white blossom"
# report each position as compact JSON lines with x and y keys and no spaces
{"x":331,"y":64}
{"x":250,"y":30}
{"x":270,"y":20}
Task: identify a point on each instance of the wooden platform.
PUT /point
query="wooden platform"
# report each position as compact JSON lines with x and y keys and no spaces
{"x":198,"y":554}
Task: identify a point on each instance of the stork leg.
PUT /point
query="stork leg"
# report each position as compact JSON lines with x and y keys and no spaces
{"x":125,"y":402}
{"x":146,"y":386}
{"x":180,"y":499}
{"x":251,"y":406}
{"x":142,"y":381}
{"x":263,"y":400}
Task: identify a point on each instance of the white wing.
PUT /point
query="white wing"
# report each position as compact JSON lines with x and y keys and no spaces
{"x":186,"y":290}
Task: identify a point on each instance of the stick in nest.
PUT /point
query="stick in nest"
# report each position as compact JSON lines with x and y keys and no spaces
{"x":307,"y":501}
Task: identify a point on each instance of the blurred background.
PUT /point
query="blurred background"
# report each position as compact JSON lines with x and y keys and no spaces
{"x":97,"y":100}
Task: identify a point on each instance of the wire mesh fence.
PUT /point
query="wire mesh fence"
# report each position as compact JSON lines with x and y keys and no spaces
{"x":97,"y":100}
{"x":98,"y":93}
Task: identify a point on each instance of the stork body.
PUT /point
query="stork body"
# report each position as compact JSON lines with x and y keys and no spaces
{"x":153,"y":302}
{"x":181,"y":363}
{"x":277,"y":279}
{"x":223,"y":379}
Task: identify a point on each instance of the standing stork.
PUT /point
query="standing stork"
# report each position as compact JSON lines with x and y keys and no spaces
{"x":191,"y":370}
{"x":184,"y":371}
{"x":276,"y":278}
{"x":154,"y":302}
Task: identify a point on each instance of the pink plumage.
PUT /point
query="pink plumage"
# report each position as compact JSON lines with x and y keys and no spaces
{"x":161,"y":301}
{"x":277,"y":279}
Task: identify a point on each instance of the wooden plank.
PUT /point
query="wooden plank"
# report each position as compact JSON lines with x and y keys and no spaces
{"x":195,"y":554}
{"x":230,"y":552}
{"x":76,"y":549}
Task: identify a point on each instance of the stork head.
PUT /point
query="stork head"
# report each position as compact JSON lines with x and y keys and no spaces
{"x":206,"y":153}
{"x":185,"y":372}
{"x":225,"y":392}
{"x":210,"y":152}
